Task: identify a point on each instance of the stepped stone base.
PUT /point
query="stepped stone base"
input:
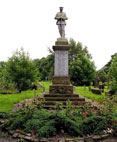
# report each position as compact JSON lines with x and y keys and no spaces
{"x":61,"y":89}
{"x":52,"y":99}
{"x":61,"y":85}
{"x":64,"y":80}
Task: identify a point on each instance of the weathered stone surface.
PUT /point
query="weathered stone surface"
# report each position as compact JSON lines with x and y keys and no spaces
{"x":61,"y":63}
{"x":28,"y":134}
{"x":7,"y":139}
{"x":61,"y":89}
{"x":89,"y":139}
{"x":22,"y":136}
{"x":104,"y":136}
{"x":52,"y":140}
{"x":27,"y":138}
{"x":96,"y":137}
{"x":61,"y":140}
{"x":69,"y":140}
{"x":15,"y":135}
{"x":2,"y":121}
{"x":61,"y":80}
{"x":43,"y":140}
{"x":80,"y":140}
{"x":61,"y":22}
{"x":11,"y":132}
{"x":61,"y":41}
{"x":61,"y":48}
{"x":35,"y":140}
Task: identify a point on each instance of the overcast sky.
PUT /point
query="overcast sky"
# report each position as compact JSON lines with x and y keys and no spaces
{"x":30,"y":24}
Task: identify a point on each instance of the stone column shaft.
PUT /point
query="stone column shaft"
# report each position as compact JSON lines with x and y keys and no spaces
{"x":61,"y":63}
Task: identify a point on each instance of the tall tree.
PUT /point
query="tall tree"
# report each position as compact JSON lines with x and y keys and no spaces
{"x":81,"y":68}
{"x":21,"y":70}
{"x":79,"y":57}
{"x":3,"y":74}
{"x":113,"y":73}
{"x":77,"y":51}
{"x":82,"y":71}
{"x":45,"y":67}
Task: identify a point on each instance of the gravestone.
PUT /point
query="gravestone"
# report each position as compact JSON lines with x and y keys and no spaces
{"x":96,"y":81}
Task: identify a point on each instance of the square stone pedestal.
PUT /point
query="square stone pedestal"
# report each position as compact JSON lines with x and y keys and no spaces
{"x":61,"y":85}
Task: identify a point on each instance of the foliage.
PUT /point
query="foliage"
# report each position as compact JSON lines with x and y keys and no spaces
{"x":102,"y":75}
{"x":80,"y":65}
{"x":84,"y":91}
{"x":4,"y":115}
{"x":94,"y":124}
{"x":81,"y":68}
{"x":110,"y":106}
{"x":82,"y":71}
{"x":4,"y":79}
{"x":113,"y":73}
{"x":107,"y":66}
{"x":21,"y":70}
{"x":44,"y":123}
{"x":7,"y":101}
{"x":3,"y":91}
{"x":45,"y":67}
{"x":77,"y":51}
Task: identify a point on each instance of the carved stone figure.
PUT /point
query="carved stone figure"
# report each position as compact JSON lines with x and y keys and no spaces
{"x":61,"y":17}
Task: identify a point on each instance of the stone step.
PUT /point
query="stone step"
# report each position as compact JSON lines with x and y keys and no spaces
{"x":61,"y":95}
{"x":64,"y":99}
{"x":53,"y":106}
{"x":64,"y":106}
{"x":63,"y":102}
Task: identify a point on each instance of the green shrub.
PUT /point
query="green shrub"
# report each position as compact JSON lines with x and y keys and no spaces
{"x":94,"y":124}
{"x":48,"y":129}
{"x":44,"y":123}
{"x":70,"y":127}
{"x":4,"y":115}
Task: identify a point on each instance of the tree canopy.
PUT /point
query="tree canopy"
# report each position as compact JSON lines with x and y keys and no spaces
{"x":81,"y":68}
{"x":21,"y":70}
{"x":113,"y":73}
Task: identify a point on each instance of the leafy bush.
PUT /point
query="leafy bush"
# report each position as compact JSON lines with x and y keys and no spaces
{"x":113,"y":73}
{"x":94,"y":124}
{"x":44,"y":123}
{"x":21,"y":70}
{"x":4,"y":115}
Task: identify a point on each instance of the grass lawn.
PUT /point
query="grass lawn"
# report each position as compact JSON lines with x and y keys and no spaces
{"x":83,"y":92}
{"x":8,"y":100}
{"x":46,"y":85}
{"x":88,"y":94}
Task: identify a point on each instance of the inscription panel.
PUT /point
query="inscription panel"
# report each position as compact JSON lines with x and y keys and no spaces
{"x":61,"y":63}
